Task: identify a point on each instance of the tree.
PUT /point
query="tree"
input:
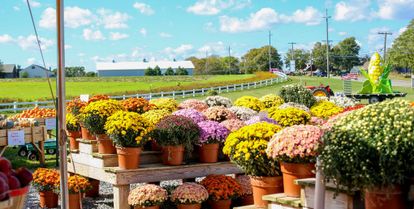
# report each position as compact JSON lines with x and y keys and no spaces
{"x":1,"y":69}
{"x":301,"y":57}
{"x":319,"y":56}
{"x":345,"y":54}
{"x":199,"y":65}
{"x":231,"y":64}
{"x":149,"y":72}
{"x":24,"y":75}
{"x":181,"y":71}
{"x":157,"y":70}
{"x":257,"y":59}
{"x":169,"y":71}
{"x":90,"y":74}
{"x":401,"y":54}
{"x":78,"y":71}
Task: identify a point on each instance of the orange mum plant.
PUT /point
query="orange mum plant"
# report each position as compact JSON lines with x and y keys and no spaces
{"x":221,"y":187}
{"x":138,"y":105}
{"x":45,"y":179}
{"x":78,"y":184}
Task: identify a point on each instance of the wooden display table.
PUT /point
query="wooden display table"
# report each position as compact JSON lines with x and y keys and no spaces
{"x":104,"y":168}
{"x":34,"y":135}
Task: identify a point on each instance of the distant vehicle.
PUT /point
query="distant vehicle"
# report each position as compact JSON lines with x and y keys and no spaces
{"x":321,"y":91}
{"x":30,"y":152}
{"x":320,"y":74}
{"x":350,"y":76}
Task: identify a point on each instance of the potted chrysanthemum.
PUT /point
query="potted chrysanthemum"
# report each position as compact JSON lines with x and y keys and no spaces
{"x":175,"y":134}
{"x":46,"y":181}
{"x":128,"y":130}
{"x":73,"y":130}
{"x":246,"y":196}
{"x":295,"y":148}
{"x":246,"y":147}
{"x":189,"y":196}
{"x":193,"y":104}
{"x":219,"y":114}
{"x":195,"y":115}
{"x":148,"y":196}
{"x":77,"y":186}
{"x":212,"y":135}
{"x":94,"y":117}
{"x":221,"y":190}
{"x":250,"y":102}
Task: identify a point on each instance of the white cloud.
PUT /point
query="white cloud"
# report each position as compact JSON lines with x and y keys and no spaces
{"x":402,"y":30}
{"x":16,"y":8}
{"x":67,"y":46}
{"x":6,"y":38}
{"x":143,"y":8}
{"x":213,"y":7}
{"x":118,"y":36}
{"x":74,"y":17}
{"x":352,"y":10}
{"x":342,"y":33}
{"x":182,"y":49}
{"x":30,"y":42}
{"x":33,"y":3}
{"x":143,"y":31}
{"x":395,"y":9}
{"x":209,"y":26}
{"x":165,"y":35}
{"x":267,"y":17}
{"x":212,"y":48}
{"x":91,"y":35}
{"x":113,"y":20}
{"x":31,"y":60}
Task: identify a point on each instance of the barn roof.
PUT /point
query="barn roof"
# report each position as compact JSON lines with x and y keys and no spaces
{"x":8,"y":68}
{"x":143,"y":65}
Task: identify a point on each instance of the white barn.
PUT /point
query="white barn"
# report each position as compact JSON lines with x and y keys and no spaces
{"x":36,"y":71}
{"x":106,"y":69}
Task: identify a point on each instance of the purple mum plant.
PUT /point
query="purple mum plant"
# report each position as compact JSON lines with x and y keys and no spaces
{"x":212,"y":132}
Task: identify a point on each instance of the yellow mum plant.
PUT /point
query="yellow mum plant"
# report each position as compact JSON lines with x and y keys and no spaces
{"x":128,"y":129}
{"x":95,"y":114}
{"x":72,"y":122}
{"x":325,"y":109}
{"x":154,"y":116}
{"x":247,"y":148}
{"x":250,"y":102}
{"x":165,"y":104}
{"x":289,"y":116}
{"x":271,"y":100}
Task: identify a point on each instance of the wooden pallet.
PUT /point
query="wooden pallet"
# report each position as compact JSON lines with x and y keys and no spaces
{"x":34,"y":135}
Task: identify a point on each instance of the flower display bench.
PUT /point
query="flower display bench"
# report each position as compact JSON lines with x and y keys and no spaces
{"x":88,"y":163}
{"x":34,"y":135}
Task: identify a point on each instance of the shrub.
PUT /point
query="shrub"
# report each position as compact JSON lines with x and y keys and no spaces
{"x":250,"y":102}
{"x":169,"y":72}
{"x":181,"y":71}
{"x":297,"y":94}
{"x":212,"y":92}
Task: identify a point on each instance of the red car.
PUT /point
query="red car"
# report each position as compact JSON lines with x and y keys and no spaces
{"x":350,"y":76}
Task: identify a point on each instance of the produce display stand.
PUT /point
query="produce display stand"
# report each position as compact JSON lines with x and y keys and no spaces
{"x":36,"y":135}
{"x":88,"y":163}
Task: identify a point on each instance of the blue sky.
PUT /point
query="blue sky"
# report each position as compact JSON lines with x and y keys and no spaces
{"x":129,"y":30}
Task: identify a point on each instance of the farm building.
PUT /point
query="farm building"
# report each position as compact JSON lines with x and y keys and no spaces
{"x":106,"y":69}
{"x":8,"y":71}
{"x":35,"y":71}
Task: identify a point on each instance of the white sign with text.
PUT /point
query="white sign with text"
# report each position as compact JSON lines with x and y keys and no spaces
{"x":15,"y":138}
{"x":50,"y":123}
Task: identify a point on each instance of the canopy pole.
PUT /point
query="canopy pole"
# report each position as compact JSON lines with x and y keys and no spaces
{"x":62,"y":104}
{"x":319,"y":186}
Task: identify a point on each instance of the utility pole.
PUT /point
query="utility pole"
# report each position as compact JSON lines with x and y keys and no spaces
{"x":206,"y":65}
{"x":270,"y":46}
{"x":327,"y":42}
{"x":385,"y":42}
{"x":293,"y":54}
{"x":229,"y":61}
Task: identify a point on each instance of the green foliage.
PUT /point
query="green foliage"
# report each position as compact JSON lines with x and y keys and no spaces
{"x":215,"y":65}
{"x":298,"y":94}
{"x":345,"y":54}
{"x":401,"y":53}
{"x":372,"y":146}
{"x":257,"y":59}
{"x":90,"y":74}
{"x":300,"y":56}
{"x":169,"y":71}
{"x":181,"y":71}
{"x":78,"y":71}
{"x":319,"y":56}
{"x":212,"y":93}
{"x":150,"y":72}
{"x":157,"y":70}
{"x":24,"y":75}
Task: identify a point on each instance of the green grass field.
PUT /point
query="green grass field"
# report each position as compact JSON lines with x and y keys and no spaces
{"x":34,"y":89}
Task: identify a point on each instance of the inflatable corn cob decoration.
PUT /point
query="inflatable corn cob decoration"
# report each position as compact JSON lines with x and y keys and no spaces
{"x":377,"y":77}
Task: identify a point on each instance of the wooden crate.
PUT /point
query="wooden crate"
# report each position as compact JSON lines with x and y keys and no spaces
{"x":31,"y":134}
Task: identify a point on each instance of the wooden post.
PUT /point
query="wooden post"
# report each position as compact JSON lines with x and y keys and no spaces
{"x":121,"y":193}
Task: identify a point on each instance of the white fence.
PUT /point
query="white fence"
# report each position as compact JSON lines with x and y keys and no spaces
{"x":19,"y":106}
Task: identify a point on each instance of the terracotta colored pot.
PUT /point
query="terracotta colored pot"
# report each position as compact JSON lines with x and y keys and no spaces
{"x":105,"y":144}
{"x":74,"y":201}
{"x":94,"y":192}
{"x":209,"y":153}
{"x":220,"y":204}
{"x":172,"y":155}
{"x":48,"y":199}
{"x":86,"y":134}
{"x":384,"y":198}
{"x":128,"y":157}
{"x":264,"y":186}
{"x":292,"y":172}
{"x":73,"y":135}
{"x":246,"y":200}
{"x":155,"y":146}
{"x":152,"y":207}
{"x":187,"y":206}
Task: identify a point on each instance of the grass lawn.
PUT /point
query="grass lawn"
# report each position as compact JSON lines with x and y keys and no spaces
{"x":17,"y":161}
{"x":33,"y":89}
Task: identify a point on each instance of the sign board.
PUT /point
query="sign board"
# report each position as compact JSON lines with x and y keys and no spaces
{"x":15,"y":138}
{"x":292,"y":66}
{"x":84,"y":97}
{"x":50,"y":123}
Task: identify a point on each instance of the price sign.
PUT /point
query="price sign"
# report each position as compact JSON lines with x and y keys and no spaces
{"x":50,"y":123}
{"x":84,"y":97}
{"x":15,"y":138}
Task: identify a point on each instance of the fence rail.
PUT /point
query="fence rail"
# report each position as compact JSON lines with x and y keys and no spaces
{"x":19,"y":106}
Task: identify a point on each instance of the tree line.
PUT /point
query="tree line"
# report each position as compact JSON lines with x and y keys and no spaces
{"x":156,"y":71}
